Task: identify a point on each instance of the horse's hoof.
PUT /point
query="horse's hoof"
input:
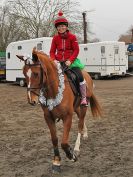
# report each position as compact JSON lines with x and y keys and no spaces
{"x":77,"y":153}
{"x":74,"y":157}
{"x":71,"y":155}
{"x":56,"y":169}
{"x":85,"y":136}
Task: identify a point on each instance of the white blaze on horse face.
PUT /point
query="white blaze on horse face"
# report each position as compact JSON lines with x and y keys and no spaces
{"x":29,"y":72}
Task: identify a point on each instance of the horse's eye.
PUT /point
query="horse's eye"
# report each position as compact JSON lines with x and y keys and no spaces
{"x":35,"y":75}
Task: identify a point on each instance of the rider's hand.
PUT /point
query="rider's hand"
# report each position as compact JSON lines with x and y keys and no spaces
{"x":68,"y":63}
{"x":55,"y":61}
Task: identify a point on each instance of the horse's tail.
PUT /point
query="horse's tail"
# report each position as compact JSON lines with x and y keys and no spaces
{"x":95,"y":106}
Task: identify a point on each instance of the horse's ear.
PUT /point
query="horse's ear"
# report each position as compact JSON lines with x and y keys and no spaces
{"x":34,"y":57}
{"x":21,"y":57}
{"x":34,"y":50}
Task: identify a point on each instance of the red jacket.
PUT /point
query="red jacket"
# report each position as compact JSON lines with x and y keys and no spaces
{"x":64,"y":47}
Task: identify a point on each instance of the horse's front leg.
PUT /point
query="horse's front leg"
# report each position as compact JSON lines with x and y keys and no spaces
{"x":57,"y":159}
{"x":67,"y":122}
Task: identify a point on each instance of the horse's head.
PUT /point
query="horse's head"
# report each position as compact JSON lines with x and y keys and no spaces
{"x":32,"y":71}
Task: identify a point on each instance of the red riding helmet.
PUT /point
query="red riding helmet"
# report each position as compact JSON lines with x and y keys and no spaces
{"x":60,"y":20}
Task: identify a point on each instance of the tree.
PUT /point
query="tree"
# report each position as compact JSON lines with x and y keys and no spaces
{"x":37,"y":16}
{"x":128,"y":36}
{"x":21,"y":19}
{"x":129,"y":31}
{"x":9,"y":28}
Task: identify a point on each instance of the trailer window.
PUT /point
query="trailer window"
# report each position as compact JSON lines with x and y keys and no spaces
{"x":39,"y":46}
{"x":19,"y":47}
{"x":116,"y":51}
{"x":85,"y":49}
{"x":102,"y":49}
{"x":8,"y":55}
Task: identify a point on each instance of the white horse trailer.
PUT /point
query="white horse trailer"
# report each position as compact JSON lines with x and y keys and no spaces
{"x":104,"y":58}
{"x":14,"y":65}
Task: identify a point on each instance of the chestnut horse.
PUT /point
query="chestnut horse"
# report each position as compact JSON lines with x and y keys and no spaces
{"x":47,"y":83}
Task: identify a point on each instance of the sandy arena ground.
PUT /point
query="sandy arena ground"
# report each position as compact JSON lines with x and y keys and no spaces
{"x":25,"y":145}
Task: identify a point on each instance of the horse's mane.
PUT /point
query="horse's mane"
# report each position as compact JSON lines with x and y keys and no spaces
{"x":50,"y":69}
{"x":48,"y":61}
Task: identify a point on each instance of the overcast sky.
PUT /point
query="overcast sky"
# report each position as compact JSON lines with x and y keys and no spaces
{"x":110,"y":18}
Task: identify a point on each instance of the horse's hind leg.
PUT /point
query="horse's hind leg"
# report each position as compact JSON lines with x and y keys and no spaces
{"x":85,"y":133}
{"x":82,"y":129}
{"x":67,"y":122}
{"x":56,"y":161}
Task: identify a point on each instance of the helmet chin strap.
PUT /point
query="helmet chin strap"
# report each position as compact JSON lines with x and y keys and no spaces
{"x":64,"y":32}
{"x":63,"y":35}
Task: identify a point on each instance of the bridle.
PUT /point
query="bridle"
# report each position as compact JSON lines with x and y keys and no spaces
{"x":31,"y":89}
{"x":42,"y":87}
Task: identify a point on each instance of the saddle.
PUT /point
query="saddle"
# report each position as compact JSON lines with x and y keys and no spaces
{"x":72,"y":78}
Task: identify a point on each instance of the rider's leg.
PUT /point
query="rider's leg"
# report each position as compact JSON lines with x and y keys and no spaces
{"x":83,"y":92}
{"x":82,"y":85}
